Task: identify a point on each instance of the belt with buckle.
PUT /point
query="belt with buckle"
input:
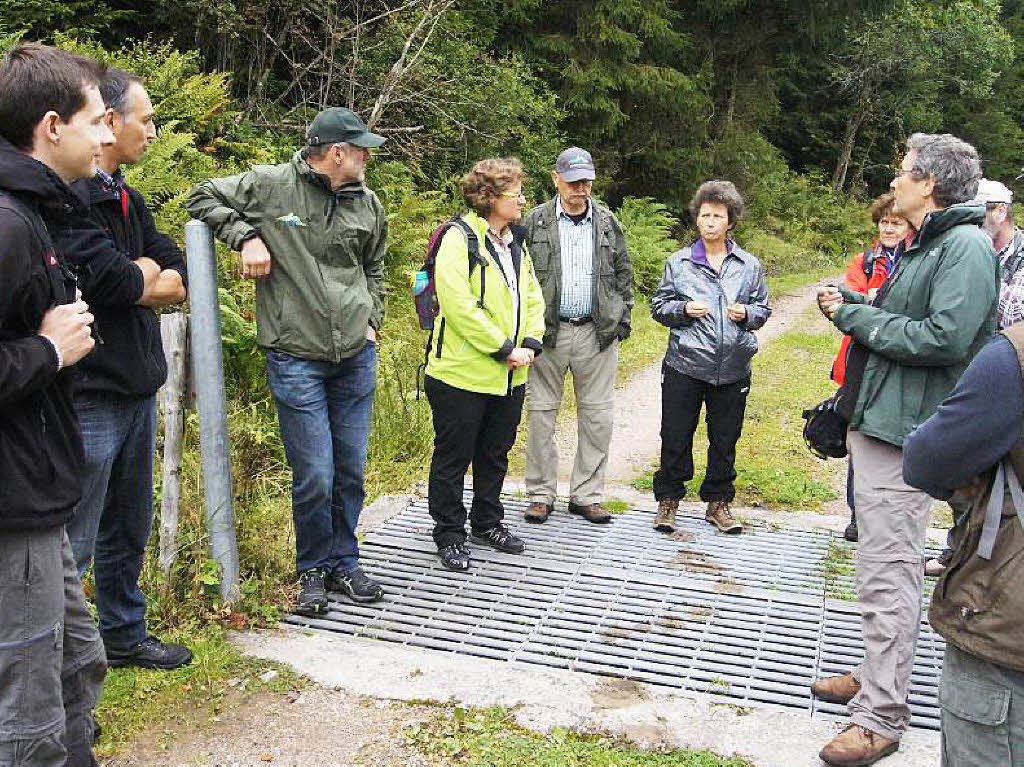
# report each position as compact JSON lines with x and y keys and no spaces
{"x":576,"y":320}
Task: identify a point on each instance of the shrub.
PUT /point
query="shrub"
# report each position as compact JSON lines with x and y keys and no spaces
{"x":648,"y":226}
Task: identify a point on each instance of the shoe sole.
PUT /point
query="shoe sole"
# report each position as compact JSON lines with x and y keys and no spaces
{"x":536,"y":520}
{"x":734,"y":530}
{"x":601,"y":521}
{"x":448,"y":567}
{"x":361,"y":599}
{"x":156,"y":666}
{"x":837,"y":699}
{"x":502,"y":549}
{"x":665,"y":528}
{"x":887,"y":751}
{"x":311,"y":612}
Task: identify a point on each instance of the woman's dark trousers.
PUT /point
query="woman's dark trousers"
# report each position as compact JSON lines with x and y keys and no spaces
{"x":681,"y":401}
{"x":469,"y":428}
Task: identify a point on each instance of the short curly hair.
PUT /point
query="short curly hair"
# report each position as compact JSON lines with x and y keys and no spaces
{"x":884,"y":206}
{"x":718,"y":192}
{"x":487,"y":179}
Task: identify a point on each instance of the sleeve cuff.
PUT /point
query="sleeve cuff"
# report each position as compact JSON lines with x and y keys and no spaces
{"x":246,"y":234}
{"x":506,"y":349}
{"x":533,"y":345}
{"x":56,"y":352}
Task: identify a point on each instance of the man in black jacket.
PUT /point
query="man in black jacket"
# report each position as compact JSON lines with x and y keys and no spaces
{"x":51,"y":658}
{"x":123,"y":277}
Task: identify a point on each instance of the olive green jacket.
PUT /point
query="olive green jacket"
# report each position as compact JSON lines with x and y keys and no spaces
{"x":327,"y":254}
{"x":476,"y":328}
{"x":936,"y":313}
{"x":612,"y":308}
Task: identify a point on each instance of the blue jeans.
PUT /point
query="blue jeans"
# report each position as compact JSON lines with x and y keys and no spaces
{"x":324,"y":409}
{"x":114,"y":517}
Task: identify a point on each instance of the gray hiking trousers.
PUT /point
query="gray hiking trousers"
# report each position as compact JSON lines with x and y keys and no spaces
{"x":52,"y":661}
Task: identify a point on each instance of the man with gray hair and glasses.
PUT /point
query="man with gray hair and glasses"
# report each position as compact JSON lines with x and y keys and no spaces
{"x":910,"y":346}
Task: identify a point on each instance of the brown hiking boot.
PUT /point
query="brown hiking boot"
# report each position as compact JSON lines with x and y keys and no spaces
{"x":836,"y":689}
{"x":592,"y":512}
{"x":537,"y":512}
{"x":665,"y":521}
{"x":719,"y":515}
{"x":857,"y":747}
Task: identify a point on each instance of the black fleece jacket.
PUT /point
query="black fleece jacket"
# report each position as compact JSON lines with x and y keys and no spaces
{"x":41,"y":459}
{"x":128,"y":358}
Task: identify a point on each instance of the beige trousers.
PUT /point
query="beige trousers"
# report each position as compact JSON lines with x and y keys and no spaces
{"x":593,"y":379}
{"x":891,"y":519}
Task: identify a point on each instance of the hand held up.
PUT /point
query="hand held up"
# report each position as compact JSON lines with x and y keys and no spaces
{"x":67,"y":327}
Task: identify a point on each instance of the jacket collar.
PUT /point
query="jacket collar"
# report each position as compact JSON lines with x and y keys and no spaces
{"x":939,"y":221}
{"x":24,"y":176}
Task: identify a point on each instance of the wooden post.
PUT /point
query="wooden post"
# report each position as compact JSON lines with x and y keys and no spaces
{"x":174,"y":335}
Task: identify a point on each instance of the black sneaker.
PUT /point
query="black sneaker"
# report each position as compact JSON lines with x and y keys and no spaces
{"x":850,"y":533}
{"x":150,"y":653}
{"x":356,"y":585}
{"x":454,"y":557}
{"x":312,"y":599}
{"x":501,"y":538}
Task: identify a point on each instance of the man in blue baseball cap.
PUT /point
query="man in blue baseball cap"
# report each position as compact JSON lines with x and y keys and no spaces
{"x":314,"y":239}
{"x":580,"y":256}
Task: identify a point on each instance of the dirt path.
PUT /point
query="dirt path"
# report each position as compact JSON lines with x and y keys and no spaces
{"x":638,"y":403}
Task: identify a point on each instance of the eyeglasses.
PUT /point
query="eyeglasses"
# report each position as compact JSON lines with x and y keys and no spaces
{"x":900,"y":171}
{"x":520,"y":195}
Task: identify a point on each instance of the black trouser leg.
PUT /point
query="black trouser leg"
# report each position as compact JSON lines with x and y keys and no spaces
{"x":458,"y":415}
{"x":681,"y":399}
{"x":490,"y":458}
{"x":726,"y":406}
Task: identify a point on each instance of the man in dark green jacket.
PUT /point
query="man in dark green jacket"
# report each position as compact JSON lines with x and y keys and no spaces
{"x":928,"y":321}
{"x":314,"y":237}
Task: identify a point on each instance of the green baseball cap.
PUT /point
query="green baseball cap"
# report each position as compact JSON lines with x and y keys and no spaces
{"x":336,"y":124}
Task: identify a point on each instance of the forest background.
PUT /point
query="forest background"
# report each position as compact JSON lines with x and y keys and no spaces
{"x":804,"y":104}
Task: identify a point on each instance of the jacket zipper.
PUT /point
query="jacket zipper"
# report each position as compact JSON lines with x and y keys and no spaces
{"x":440,"y":339}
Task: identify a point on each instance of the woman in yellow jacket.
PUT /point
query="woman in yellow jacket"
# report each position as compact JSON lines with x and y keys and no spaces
{"x":485,"y":337}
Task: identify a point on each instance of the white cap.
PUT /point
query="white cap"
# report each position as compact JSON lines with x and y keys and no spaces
{"x":992,"y":192}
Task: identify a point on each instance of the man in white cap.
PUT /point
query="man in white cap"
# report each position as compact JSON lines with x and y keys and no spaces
{"x":1008,"y":240}
{"x":580,"y":257}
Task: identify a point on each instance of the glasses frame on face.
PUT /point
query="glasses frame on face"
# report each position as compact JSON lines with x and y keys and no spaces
{"x":520,"y":195}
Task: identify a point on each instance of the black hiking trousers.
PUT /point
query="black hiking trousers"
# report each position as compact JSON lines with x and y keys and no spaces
{"x":469,"y":428}
{"x":681,"y":401}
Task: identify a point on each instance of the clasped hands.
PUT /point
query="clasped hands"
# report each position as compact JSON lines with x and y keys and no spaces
{"x":737,"y":312}
{"x":520,"y":357}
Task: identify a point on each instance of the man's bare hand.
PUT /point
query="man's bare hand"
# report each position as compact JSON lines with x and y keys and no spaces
{"x":255,"y":258}
{"x":150,"y":269}
{"x":697,"y":308}
{"x":67,"y":326}
{"x":829,"y":300}
{"x":737,"y":312}
{"x":371,"y":334}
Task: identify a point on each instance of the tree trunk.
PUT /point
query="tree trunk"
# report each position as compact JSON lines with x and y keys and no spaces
{"x":849,"y":140}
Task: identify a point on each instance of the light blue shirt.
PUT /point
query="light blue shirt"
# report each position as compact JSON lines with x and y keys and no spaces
{"x":576,"y":243}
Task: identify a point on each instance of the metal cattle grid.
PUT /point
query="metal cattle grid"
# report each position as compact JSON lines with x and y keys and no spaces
{"x":746,"y":617}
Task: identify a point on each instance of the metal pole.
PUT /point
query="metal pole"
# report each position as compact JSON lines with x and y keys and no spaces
{"x":208,"y":363}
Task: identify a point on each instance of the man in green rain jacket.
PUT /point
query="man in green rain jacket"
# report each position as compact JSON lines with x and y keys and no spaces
{"x":314,"y":239}
{"x":931,"y":316}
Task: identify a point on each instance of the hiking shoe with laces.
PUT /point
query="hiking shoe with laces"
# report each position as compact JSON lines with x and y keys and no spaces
{"x":720,"y":516}
{"x":356,"y":585}
{"x":312,"y":599}
{"x":665,"y":521}
{"x":454,"y":557}
{"x":150,"y":653}
{"x":501,"y":538}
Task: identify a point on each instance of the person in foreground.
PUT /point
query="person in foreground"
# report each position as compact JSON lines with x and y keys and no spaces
{"x":974,"y":443}
{"x":713,"y":296}
{"x":865,"y":274}
{"x":135,"y":270}
{"x":314,"y":239}
{"x":485,"y":338}
{"x":929,"y":320}
{"x":51,"y":656}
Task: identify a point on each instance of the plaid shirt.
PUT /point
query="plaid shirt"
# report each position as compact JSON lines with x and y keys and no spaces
{"x":1011,"y":292}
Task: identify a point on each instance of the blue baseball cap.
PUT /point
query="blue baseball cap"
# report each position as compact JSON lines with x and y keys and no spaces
{"x":575,"y":164}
